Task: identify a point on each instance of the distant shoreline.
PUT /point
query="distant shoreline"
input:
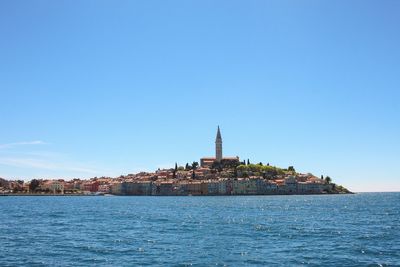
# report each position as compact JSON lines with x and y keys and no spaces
{"x":44,"y":195}
{"x":106,"y":195}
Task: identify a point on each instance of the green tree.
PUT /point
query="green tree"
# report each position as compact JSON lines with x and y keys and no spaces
{"x":328,"y":179}
{"x":242,"y":167}
{"x":227,"y":163}
{"x":33,"y":185}
{"x":195,"y":164}
{"x":175,"y":171}
{"x":291,"y":169}
{"x":248,"y":162}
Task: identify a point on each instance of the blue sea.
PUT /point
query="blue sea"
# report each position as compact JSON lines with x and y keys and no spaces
{"x":316,"y":230}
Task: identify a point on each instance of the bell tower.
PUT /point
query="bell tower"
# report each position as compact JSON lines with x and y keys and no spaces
{"x":218,"y":146}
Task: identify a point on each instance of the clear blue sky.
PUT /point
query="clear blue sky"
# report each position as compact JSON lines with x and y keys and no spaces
{"x":92,"y":88}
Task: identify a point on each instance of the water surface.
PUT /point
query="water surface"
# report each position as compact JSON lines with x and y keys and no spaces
{"x":328,"y":230}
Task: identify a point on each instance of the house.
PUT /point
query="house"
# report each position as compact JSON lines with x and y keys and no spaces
{"x":55,"y":186}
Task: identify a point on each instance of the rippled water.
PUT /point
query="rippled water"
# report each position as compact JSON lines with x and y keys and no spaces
{"x":334,"y":230}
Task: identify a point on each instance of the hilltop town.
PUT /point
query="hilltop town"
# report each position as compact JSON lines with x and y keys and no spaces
{"x":213,"y":176}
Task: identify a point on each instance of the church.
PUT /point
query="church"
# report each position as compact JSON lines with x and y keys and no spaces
{"x":207,"y":162}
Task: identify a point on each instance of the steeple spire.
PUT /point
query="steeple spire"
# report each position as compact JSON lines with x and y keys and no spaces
{"x":218,"y":135}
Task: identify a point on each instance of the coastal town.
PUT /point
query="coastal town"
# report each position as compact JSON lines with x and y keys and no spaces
{"x":212,"y":176}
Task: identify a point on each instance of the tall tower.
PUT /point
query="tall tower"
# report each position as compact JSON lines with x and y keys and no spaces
{"x":218,"y":146}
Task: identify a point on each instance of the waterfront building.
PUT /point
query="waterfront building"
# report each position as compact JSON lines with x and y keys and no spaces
{"x":244,"y":186}
{"x":116,"y":189}
{"x":55,"y":186}
{"x":291,"y":185}
{"x":104,"y":188}
{"x":78,"y":185}
{"x":251,"y":186}
{"x":204,"y":188}
{"x":166,"y":188}
{"x":222,"y":187}
{"x":312,"y":187}
{"x":239,"y":186}
{"x":194,"y":188}
{"x":213,"y":187}
{"x":91,"y":186}
{"x":182,"y":188}
{"x":68,"y":186}
{"x":137,"y":188}
{"x":271,"y":187}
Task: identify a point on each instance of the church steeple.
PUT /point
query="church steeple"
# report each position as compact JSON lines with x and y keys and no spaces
{"x":218,"y":146}
{"x":219,"y":138}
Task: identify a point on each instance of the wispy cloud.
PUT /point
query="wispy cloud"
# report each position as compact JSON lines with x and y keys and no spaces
{"x":36,"y":142}
{"x":33,"y":162}
{"x":44,"y":165}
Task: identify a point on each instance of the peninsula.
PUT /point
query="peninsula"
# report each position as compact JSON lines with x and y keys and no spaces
{"x":213,"y":176}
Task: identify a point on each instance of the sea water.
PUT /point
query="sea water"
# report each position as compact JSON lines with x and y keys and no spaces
{"x":325,"y":230}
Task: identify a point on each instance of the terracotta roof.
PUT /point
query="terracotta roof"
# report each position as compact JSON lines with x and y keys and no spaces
{"x":213,"y":158}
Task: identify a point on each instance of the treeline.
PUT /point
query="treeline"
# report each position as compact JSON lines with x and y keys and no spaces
{"x":261,"y":170}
